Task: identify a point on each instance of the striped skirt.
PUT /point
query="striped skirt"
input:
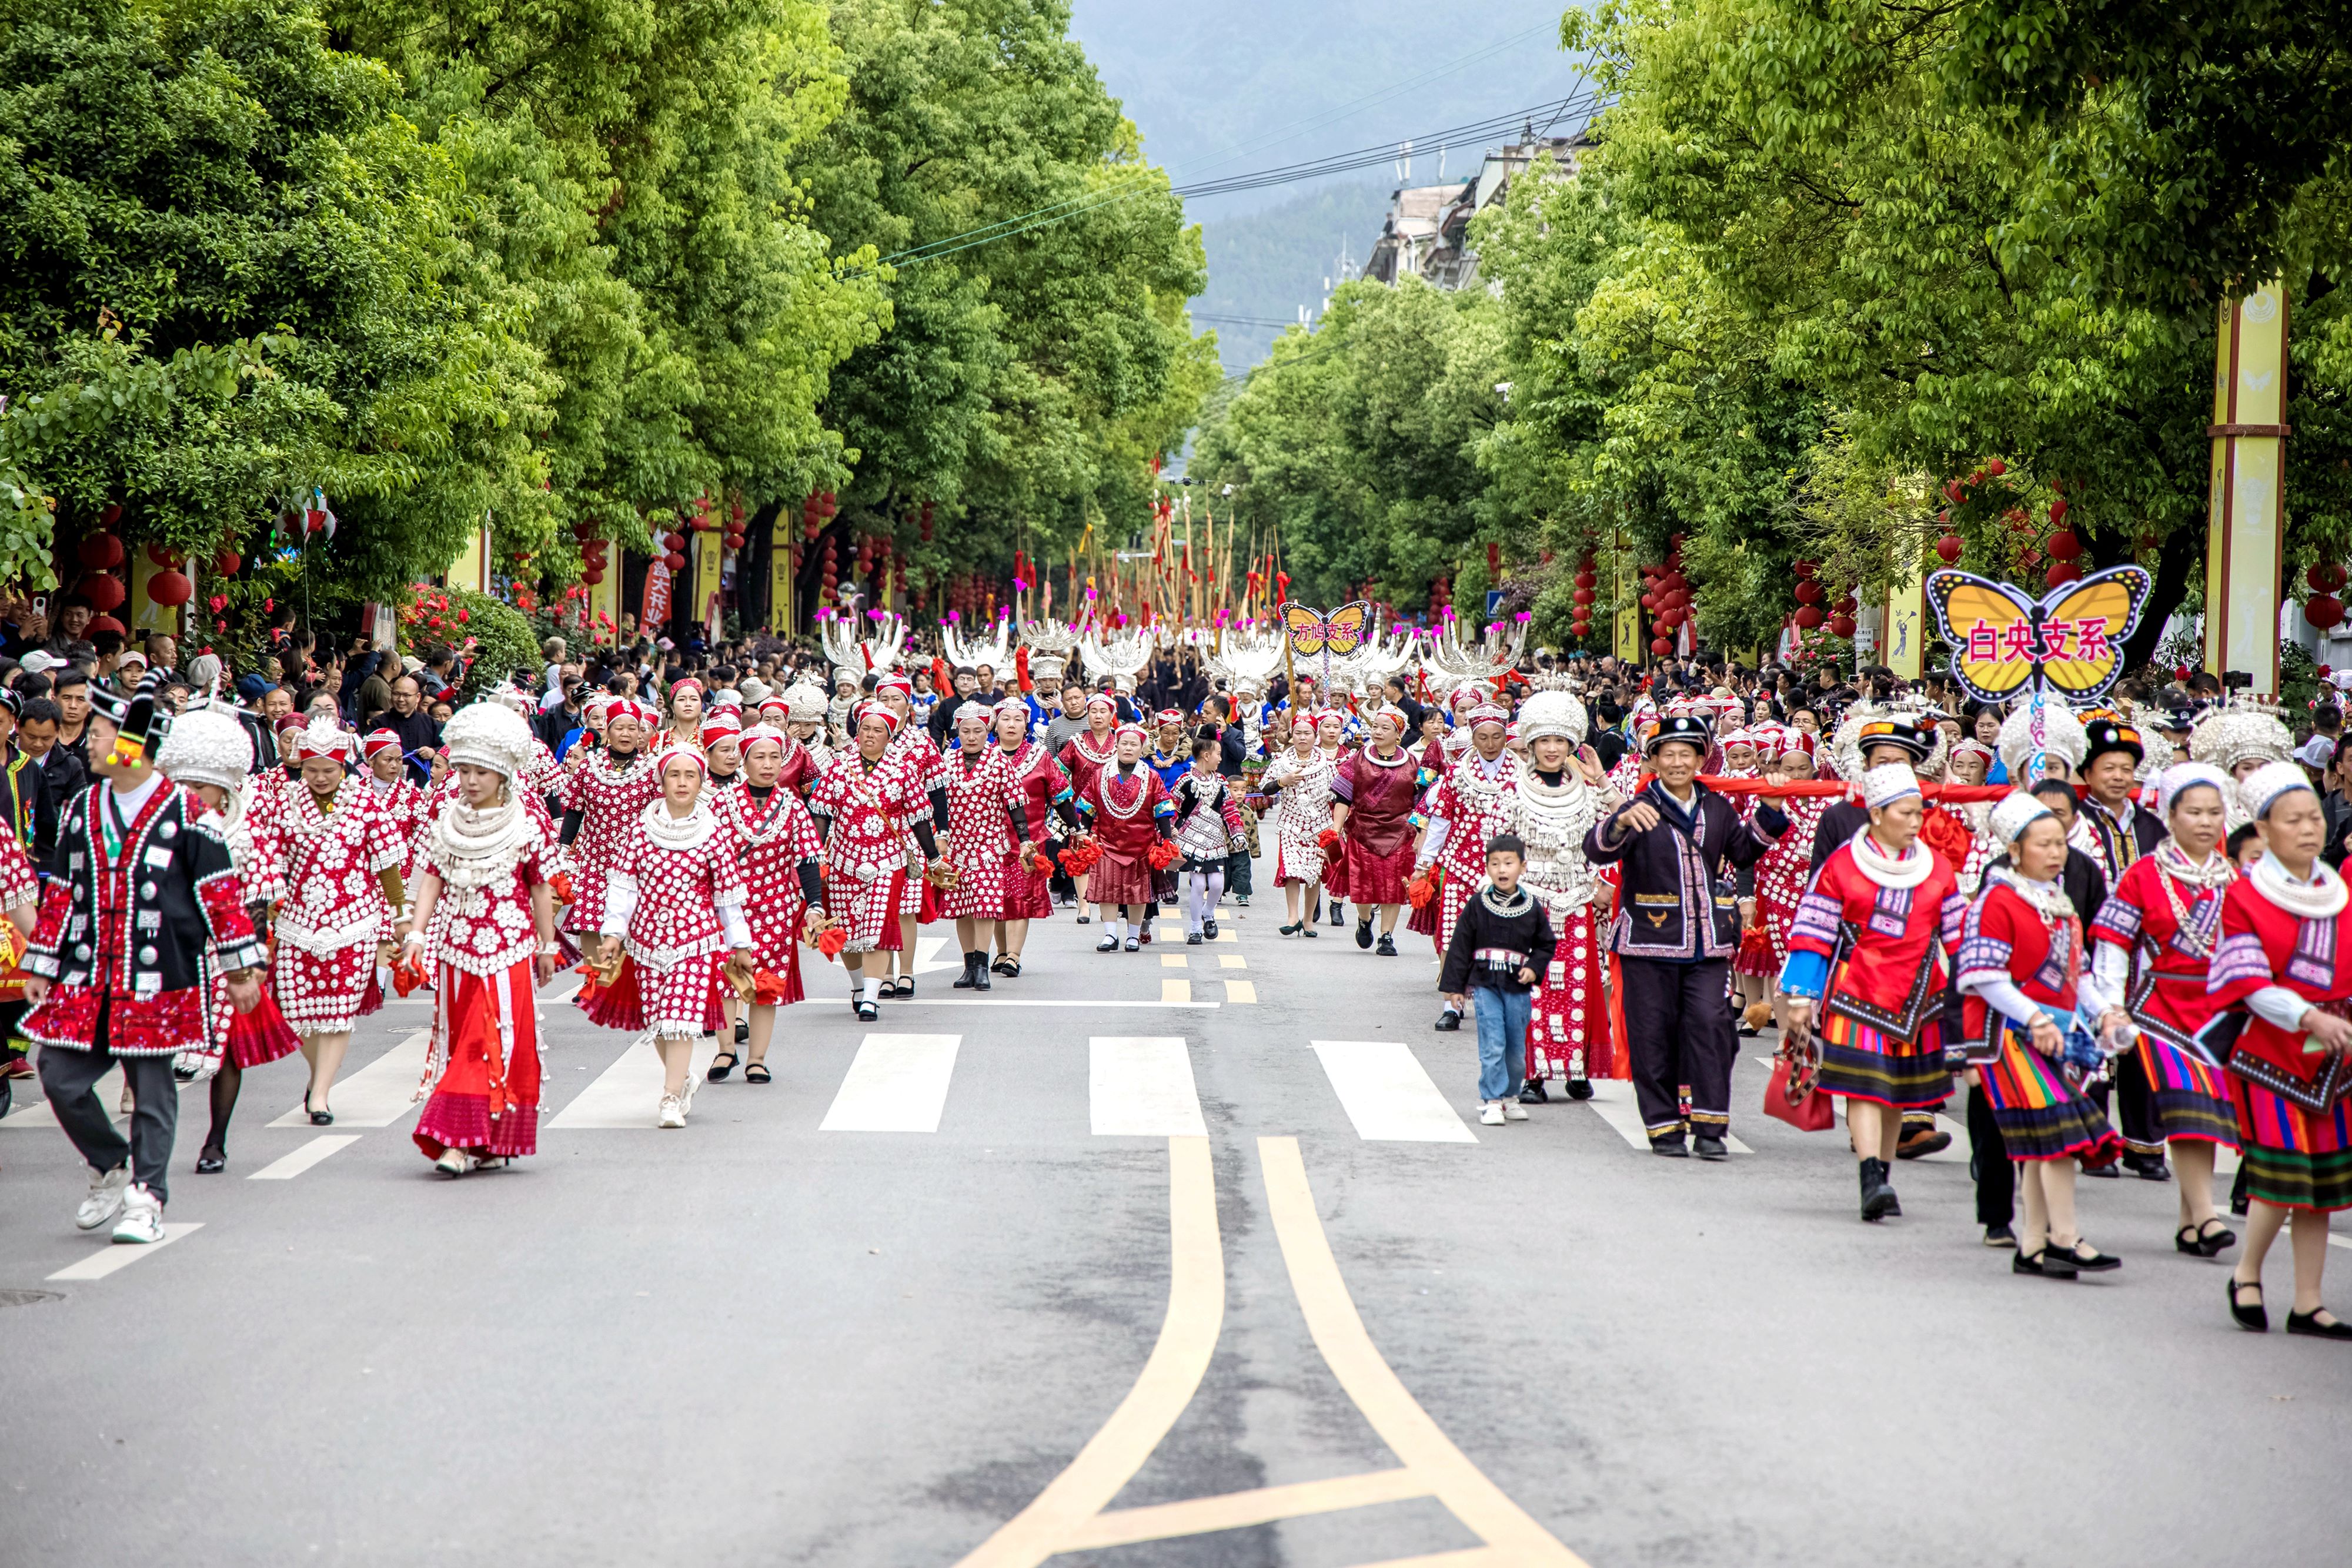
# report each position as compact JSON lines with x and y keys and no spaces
{"x":1868,"y":1064}
{"x":2041,"y":1115}
{"x":2189,"y":1097}
{"x":2295,"y":1158}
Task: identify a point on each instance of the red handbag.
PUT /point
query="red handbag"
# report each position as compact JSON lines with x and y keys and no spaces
{"x":1794,"y":1094}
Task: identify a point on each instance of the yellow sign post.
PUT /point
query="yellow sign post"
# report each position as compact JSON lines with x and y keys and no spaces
{"x":779,"y":576}
{"x":2247,"y":506}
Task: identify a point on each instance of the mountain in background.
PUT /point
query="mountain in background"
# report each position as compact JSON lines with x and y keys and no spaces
{"x":1220,"y":87}
{"x":1265,"y":266}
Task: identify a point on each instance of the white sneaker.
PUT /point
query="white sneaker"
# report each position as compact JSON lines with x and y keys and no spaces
{"x":105,"y":1199}
{"x":686,"y":1095}
{"x":1514,"y":1111}
{"x":454,"y":1162}
{"x":673,"y":1112}
{"x":1491,"y":1114}
{"x":143,"y":1217}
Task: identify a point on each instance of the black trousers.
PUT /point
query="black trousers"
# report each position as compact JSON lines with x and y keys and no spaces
{"x":1989,"y":1163}
{"x":1681,"y":1043}
{"x":68,"y":1078}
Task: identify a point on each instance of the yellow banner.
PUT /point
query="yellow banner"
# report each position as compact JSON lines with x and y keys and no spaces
{"x":780,"y":578}
{"x":707,"y":553}
{"x":2247,"y":504}
{"x":146,"y":615}
{"x":1629,"y":635}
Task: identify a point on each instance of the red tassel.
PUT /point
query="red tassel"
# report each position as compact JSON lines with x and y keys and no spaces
{"x":1021,"y":669}
{"x":831,"y":941}
{"x":1327,"y":839}
{"x":769,"y":989}
{"x":1162,"y":854}
{"x":943,"y":678}
{"x":562,"y":883}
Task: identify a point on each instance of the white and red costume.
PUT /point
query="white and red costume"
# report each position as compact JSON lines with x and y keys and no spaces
{"x":1466,"y":809}
{"x":609,"y":795}
{"x":774,"y":838}
{"x":1043,"y":787}
{"x":479,"y":945}
{"x":987,"y":823}
{"x":870,"y":806}
{"x":675,"y":896}
{"x":328,"y":864}
{"x":1301,"y":812}
{"x":1127,"y":812}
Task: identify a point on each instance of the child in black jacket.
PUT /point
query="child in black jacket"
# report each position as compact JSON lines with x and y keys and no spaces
{"x":1501,"y":941}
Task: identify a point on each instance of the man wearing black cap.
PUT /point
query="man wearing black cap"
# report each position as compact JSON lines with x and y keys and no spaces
{"x":2114,"y":832}
{"x":1677,"y":926}
{"x":141,"y":884}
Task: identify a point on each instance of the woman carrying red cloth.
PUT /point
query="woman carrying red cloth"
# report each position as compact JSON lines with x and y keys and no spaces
{"x":1127,"y":814}
{"x":2285,"y":957}
{"x":1082,"y":756}
{"x":485,"y":931}
{"x":1869,"y":947}
{"x":871,"y":802}
{"x":2152,"y":945}
{"x":674,"y":900}
{"x":1045,"y":790}
{"x":777,"y":845}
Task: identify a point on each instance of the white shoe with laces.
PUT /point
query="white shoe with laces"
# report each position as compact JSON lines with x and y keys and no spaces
{"x":1490,"y":1114}
{"x":1513,"y":1110}
{"x":673,"y":1112}
{"x":105,"y":1199}
{"x":142,"y":1217}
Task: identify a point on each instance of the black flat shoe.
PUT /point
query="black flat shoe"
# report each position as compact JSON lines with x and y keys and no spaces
{"x":1285,"y":930}
{"x":1363,"y":932}
{"x":1209,"y":929}
{"x":2048,"y":1264}
{"x":1708,"y":1148}
{"x":1385,"y":947}
{"x":2213,"y":1242}
{"x":1192,"y":939}
{"x":1009,"y":966}
{"x":2000,"y":1236}
{"x":1107,"y":944}
{"x":757,"y":1073}
{"x":1134,"y":944}
{"x":2098,"y":1262}
{"x":1447,"y":1022}
{"x":2105,"y":1173}
{"x":1308,"y":931}
{"x":720,"y":1066}
{"x":318,"y":1118}
{"x":1085,"y":920}
{"x":2257,"y":1317}
{"x":2308,"y":1323}
{"x":1580,"y":1088}
{"x":743,"y":1032}
{"x":1532,"y":1093}
{"x":867,"y":1011}
{"x":1670,"y":1149}
{"x":2149,"y":1168}
{"x":211,"y":1161}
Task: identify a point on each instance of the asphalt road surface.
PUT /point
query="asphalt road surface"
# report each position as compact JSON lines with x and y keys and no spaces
{"x":1194,"y":1256}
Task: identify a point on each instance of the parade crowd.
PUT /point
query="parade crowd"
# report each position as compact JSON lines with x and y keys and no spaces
{"x":2116,"y":936}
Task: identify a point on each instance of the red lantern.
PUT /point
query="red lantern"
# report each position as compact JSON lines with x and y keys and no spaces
{"x":674,"y":561}
{"x":1996,"y":469}
{"x":1649,"y":602}
{"x":2057,"y":510}
{"x":2325,"y":577}
{"x":170,"y":589}
{"x":1582,"y":596}
{"x":1949,"y":547}
{"x":100,"y":552}
{"x":104,"y":592}
{"x":1586,"y":579}
{"x":592,"y":576}
{"x":673,"y":541}
{"x":1661,"y":647}
{"x":1809,"y":617}
{"x":1811,"y":592}
{"x":2064,"y":571}
{"x":2323,"y":610}
{"x":107,"y":623}
{"x":2066,"y":546}
{"x":1803,"y":569}
{"x":226,"y":563}
{"x":163,"y":555}
{"x":1841,"y":626}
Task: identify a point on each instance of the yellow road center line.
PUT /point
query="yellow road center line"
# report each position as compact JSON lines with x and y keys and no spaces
{"x":1227,"y":933}
{"x":1175,"y":991}
{"x":1187,"y":1337}
{"x":1236,"y":1511}
{"x":1172,"y":961}
{"x":1338,"y":1332}
{"x":1240,"y":991}
{"x":1232,"y":961}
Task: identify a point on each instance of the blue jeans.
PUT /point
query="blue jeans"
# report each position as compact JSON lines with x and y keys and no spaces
{"x":1502,"y":1040}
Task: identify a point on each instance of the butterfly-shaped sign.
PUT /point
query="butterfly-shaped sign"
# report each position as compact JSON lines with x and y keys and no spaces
{"x":1337,"y":634}
{"x":2004,"y":643}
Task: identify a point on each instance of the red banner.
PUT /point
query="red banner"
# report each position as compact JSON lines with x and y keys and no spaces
{"x":655,"y":610}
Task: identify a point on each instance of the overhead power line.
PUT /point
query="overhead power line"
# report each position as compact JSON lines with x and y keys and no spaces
{"x":1550,"y":114}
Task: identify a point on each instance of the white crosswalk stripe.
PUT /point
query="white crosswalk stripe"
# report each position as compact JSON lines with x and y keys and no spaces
{"x":1612,"y":1100}
{"x":377,"y":1095}
{"x":898,"y":1084}
{"x":1141,"y":1086}
{"x":98,"y":1265}
{"x":1388,"y":1095}
{"x":628,"y":1093}
{"x":303,"y":1159}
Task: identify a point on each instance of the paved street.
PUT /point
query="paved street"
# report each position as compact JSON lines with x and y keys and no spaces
{"x":988,"y":1281}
